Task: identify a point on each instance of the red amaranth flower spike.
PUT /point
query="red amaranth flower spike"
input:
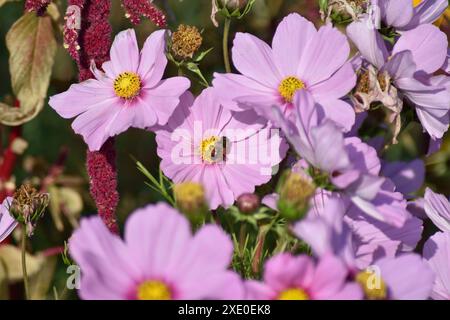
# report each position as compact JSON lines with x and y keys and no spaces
{"x":136,"y":8}
{"x":94,"y":40}
{"x":40,"y":6}
{"x":71,"y":30}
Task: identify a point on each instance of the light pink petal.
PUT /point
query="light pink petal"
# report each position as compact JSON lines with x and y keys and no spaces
{"x":81,"y":97}
{"x":437,"y":208}
{"x":254,"y":59}
{"x":427,"y":44}
{"x":290,"y":41}
{"x":396,"y":13}
{"x":125,"y":52}
{"x":206,"y":257}
{"x":218,"y":192}
{"x":285,"y":271}
{"x":153,"y":60}
{"x":102,"y":256}
{"x":96,"y":124}
{"x":256,"y":290}
{"x":7,"y":222}
{"x":235,"y":86}
{"x":157,"y":237}
{"x":369,"y":42}
{"x":329,"y":278}
{"x":340,"y":112}
{"x":144,"y":114}
{"x":437,"y":254}
{"x":165,"y":97}
{"x":428,"y":11}
{"x":325,"y":54}
{"x":408,"y":277}
{"x":335,"y":87}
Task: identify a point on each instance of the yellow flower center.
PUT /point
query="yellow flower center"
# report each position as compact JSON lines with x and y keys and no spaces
{"x":127,"y":85}
{"x":293,"y":294}
{"x":153,"y":290}
{"x":416,"y":2}
{"x":373,"y":286}
{"x":289,"y":86}
{"x":212,"y":149}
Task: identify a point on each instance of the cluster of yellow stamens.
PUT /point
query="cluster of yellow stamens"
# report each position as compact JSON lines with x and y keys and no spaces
{"x":212,"y":149}
{"x":153,"y":290}
{"x":127,"y":85}
{"x":373,"y":286}
{"x":293,"y":294}
{"x":289,"y":86}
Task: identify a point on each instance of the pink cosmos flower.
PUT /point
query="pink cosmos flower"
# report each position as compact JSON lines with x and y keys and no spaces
{"x":129,"y":93}
{"x":228,"y":153}
{"x":7,"y":222}
{"x":288,"y":277}
{"x":437,"y":254}
{"x":301,"y":59}
{"x":159,"y":259}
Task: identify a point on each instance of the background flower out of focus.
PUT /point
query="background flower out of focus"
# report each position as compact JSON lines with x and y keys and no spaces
{"x":50,"y":142}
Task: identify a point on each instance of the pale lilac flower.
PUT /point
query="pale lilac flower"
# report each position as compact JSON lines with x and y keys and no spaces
{"x":403,"y":15}
{"x":351,"y":167}
{"x":437,"y":254}
{"x":7,"y":222}
{"x":301,"y":59}
{"x":228,"y":153}
{"x":337,"y":226}
{"x":437,"y":208}
{"x":406,"y":277}
{"x":288,"y":277}
{"x":158,"y":259}
{"x":129,"y":93}
{"x":417,"y":54}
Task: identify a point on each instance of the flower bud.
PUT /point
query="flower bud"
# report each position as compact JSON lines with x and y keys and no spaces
{"x":186,"y":41}
{"x":190,"y":199}
{"x":248,"y":203}
{"x":233,"y":4}
{"x":28,"y":205}
{"x":295,"y":192}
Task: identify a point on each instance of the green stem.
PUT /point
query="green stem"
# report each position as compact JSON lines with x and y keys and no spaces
{"x":24,"y":265}
{"x":226,"y":56}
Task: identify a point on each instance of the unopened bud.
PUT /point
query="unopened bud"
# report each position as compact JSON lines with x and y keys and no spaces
{"x":248,"y":203}
{"x":295,"y":192}
{"x":233,"y":4}
{"x":190,"y":199}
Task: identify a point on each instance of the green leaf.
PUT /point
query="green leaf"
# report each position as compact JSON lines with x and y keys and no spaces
{"x":202,"y":55}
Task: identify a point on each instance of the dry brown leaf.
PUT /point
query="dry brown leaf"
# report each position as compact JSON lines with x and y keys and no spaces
{"x":32,"y":47}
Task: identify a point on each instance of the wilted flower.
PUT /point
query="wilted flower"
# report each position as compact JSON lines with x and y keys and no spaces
{"x":416,"y":55}
{"x":28,"y":206}
{"x":159,"y":259}
{"x":186,"y":41}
